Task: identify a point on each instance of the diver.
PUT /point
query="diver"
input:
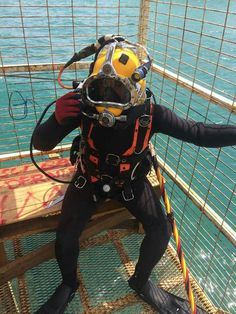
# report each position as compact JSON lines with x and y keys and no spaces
{"x":117,"y":118}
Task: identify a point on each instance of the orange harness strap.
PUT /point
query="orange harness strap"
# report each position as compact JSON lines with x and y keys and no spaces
{"x":126,"y":166}
{"x":146,"y":139}
{"x":132,"y":148}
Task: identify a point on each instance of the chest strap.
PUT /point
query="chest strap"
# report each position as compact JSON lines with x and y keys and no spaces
{"x":125,"y":163}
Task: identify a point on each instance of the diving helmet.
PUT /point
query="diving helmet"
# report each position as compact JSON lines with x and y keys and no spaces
{"x":116,"y":81}
{"x":112,"y":85}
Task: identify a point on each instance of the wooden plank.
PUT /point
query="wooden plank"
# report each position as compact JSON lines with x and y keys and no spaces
{"x":12,"y":68}
{"x":25,"y":193}
{"x":22,"y":264}
{"x":50,"y":222}
{"x":28,"y":227}
{"x":26,"y":153}
{"x":143,"y":24}
{"x":29,"y":169}
{"x":3,"y":257}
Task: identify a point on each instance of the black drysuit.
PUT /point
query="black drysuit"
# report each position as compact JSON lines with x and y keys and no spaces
{"x":79,"y":204}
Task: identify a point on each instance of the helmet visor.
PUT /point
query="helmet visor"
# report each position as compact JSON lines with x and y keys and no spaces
{"x":108,"y":91}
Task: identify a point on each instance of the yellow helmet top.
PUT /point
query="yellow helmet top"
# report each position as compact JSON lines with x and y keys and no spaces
{"x":124,"y":61}
{"x":111,"y":85}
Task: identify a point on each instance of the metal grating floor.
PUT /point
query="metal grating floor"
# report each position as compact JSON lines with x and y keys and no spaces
{"x":106,"y":262}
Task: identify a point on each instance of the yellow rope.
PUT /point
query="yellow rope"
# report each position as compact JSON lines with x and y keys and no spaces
{"x":180,"y":253}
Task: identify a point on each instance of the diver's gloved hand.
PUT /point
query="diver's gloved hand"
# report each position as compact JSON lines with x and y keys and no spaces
{"x":68,"y":106}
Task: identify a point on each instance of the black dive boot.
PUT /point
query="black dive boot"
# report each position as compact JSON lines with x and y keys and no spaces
{"x":162,"y":301}
{"x":59,"y":300}
{"x":146,"y":291}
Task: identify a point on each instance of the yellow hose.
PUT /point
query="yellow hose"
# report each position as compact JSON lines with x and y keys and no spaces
{"x":180,"y":253}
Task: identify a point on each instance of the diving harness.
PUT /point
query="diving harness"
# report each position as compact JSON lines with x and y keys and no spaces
{"x":134,"y":160}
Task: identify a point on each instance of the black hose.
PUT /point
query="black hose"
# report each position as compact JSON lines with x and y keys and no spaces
{"x":31,"y":147}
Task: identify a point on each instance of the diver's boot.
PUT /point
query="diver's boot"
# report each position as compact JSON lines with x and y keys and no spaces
{"x":59,"y":300}
{"x":147,"y":291}
{"x":162,"y":301}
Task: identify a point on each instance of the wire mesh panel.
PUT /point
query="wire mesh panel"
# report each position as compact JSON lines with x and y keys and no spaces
{"x":196,"y":40}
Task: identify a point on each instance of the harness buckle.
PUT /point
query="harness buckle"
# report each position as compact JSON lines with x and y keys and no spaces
{"x":80,"y":182}
{"x":144,"y":120}
{"x":106,"y":178}
{"x":127,"y":192}
{"x":112,"y":159}
{"x":129,"y":197}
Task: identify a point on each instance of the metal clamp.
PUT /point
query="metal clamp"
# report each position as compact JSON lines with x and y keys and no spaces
{"x":144,"y":120}
{"x":80,"y":182}
{"x":130,"y":197}
{"x":106,"y":178}
{"x":112,"y":159}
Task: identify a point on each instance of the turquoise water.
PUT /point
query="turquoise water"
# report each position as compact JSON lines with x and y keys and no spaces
{"x":178,"y":41}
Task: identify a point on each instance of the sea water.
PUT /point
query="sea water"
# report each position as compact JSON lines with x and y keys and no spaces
{"x":43,"y":39}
